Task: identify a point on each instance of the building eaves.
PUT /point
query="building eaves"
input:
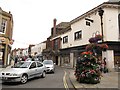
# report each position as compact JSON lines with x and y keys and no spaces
{"x":105,"y":4}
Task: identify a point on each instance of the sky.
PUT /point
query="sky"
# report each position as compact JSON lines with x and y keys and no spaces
{"x":33,"y":19}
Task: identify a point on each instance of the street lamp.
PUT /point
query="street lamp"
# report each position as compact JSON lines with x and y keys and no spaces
{"x":100,"y":12}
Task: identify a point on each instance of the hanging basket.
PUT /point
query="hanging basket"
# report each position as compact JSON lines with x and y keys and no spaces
{"x":98,"y":37}
{"x":93,"y":40}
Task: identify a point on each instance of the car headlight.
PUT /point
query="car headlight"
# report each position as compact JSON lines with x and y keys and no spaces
{"x":13,"y":74}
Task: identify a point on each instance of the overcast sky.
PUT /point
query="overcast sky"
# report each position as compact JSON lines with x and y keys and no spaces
{"x":33,"y":19}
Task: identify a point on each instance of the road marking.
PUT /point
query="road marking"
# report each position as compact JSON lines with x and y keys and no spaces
{"x":65,"y":82}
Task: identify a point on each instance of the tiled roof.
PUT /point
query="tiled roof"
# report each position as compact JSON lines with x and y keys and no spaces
{"x":63,"y":25}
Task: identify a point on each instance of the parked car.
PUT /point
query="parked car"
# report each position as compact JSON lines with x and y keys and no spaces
{"x":23,"y":71}
{"x":50,"y":65}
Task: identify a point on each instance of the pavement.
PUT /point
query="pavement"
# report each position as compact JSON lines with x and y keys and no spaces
{"x":108,"y":81}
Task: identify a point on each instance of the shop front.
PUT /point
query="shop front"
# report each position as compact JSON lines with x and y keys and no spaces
{"x":2,"y":54}
{"x":5,"y":50}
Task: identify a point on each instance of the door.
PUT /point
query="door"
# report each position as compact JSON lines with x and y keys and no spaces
{"x":56,"y":58}
{"x":40,"y":68}
{"x":32,"y":70}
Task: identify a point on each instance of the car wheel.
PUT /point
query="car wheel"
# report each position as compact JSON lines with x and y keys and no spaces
{"x":43,"y":74}
{"x":24,"y":79}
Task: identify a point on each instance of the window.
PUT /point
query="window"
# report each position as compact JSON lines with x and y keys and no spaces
{"x":65,"y":39}
{"x":39,"y":64}
{"x":3,"y":25}
{"x":87,"y":23}
{"x":78,"y":35}
{"x":33,"y":65}
{"x":56,"y":44}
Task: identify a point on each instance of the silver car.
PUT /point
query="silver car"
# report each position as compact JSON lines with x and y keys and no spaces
{"x":23,"y":71}
{"x":50,"y":65}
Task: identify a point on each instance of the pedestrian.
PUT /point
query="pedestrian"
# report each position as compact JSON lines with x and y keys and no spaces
{"x":105,"y":69}
{"x":16,"y":59}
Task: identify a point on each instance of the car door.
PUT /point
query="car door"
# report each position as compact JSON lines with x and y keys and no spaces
{"x":40,"y":68}
{"x":32,"y":70}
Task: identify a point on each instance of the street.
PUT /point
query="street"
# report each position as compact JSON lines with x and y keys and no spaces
{"x":52,"y":80}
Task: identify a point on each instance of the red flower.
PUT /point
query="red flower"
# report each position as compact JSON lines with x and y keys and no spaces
{"x":92,"y":71}
{"x":104,"y":46}
{"x":90,"y":52}
{"x":86,"y":53}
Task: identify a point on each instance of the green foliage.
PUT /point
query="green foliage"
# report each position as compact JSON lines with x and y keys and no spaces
{"x":87,"y":69}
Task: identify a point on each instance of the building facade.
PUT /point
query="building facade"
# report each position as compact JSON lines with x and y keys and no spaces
{"x":25,"y":52}
{"x":53,"y":43}
{"x":89,"y":24}
{"x":38,"y":49}
{"x":6,"y":31}
{"x":67,"y":41}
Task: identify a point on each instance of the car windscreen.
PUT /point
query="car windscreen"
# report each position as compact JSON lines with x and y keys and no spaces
{"x":48,"y":62}
{"x":22,"y":65}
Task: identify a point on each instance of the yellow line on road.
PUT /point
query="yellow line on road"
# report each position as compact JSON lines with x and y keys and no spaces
{"x":65,"y":82}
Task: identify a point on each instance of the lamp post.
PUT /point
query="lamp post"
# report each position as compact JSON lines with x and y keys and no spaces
{"x":100,"y":12}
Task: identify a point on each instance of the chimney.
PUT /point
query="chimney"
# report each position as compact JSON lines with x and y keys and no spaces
{"x":54,"y":26}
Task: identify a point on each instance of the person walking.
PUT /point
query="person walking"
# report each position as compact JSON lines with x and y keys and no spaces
{"x":16,"y":59}
{"x":105,"y":69}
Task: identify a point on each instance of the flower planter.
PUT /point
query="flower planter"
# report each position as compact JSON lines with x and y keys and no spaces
{"x":99,"y":37}
{"x":92,"y":40}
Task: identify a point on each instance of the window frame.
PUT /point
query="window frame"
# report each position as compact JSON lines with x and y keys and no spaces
{"x":3,"y":24}
{"x":39,"y":64}
{"x":31,"y":67}
{"x":87,"y":23}
{"x":65,"y":39}
{"x":78,"y":35}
